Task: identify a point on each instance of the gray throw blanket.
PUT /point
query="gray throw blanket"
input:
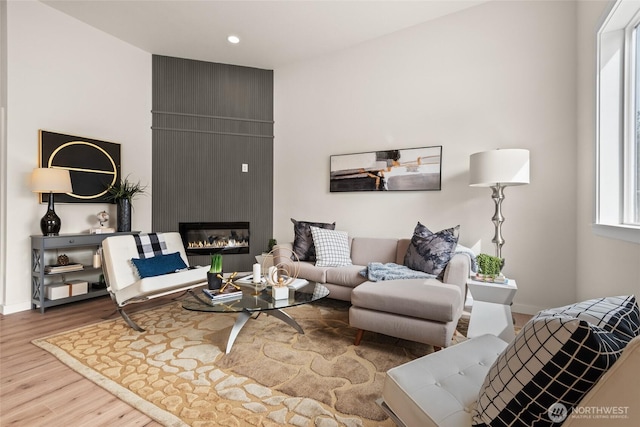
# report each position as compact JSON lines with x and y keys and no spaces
{"x":468,"y":252}
{"x":377,"y":271}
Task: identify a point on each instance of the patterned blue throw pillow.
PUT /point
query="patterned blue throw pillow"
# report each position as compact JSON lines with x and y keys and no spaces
{"x":557,"y":357}
{"x":431,"y":252}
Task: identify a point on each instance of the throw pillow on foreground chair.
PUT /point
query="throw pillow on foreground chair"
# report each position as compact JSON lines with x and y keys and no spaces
{"x":554,"y":362}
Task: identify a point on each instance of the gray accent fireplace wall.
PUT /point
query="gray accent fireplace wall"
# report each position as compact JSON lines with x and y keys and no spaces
{"x":208,"y":120}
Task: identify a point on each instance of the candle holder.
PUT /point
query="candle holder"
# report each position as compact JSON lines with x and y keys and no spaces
{"x":258,"y":287}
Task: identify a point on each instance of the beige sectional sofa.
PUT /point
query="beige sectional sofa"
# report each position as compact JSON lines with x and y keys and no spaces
{"x":425,"y":310}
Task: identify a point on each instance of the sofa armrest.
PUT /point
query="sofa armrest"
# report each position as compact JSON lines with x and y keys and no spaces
{"x":457,"y":272}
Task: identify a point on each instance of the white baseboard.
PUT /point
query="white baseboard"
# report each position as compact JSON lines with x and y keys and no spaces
{"x":14,"y":308}
{"x":526,"y":309}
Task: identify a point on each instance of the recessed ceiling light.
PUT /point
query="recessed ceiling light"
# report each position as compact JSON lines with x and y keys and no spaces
{"x":233,"y":39}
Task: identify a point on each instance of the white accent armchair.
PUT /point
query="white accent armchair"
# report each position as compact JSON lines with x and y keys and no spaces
{"x":123,"y":283}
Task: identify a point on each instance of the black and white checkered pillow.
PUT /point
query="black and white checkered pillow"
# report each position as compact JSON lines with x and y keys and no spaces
{"x":556,"y":358}
{"x":150,"y":245}
{"x":332,"y":247}
{"x":619,"y":315}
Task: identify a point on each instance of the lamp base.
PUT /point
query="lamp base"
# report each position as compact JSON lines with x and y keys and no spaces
{"x":50,"y":222}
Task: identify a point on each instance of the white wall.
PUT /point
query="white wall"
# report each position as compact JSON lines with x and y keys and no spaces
{"x":67,"y":77}
{"x":501,"y":74}
{"x":604,"y":266}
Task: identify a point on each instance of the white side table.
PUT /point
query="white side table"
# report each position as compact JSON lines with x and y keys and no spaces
{"x":491,"y":312}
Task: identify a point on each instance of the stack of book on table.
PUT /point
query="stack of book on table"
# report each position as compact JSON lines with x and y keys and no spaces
{"x":58,"y":268}
{"x":228,"y":294}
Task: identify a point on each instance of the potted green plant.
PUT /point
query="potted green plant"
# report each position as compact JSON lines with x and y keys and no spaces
{"x":214,"y":275}
{"x":272,"y":243}
{"x":489,"y":266}
{"x":122,"y":193}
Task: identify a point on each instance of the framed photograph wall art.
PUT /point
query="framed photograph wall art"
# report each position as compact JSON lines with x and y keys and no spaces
{"x":93,"y":165}
{"x":410,"y":169}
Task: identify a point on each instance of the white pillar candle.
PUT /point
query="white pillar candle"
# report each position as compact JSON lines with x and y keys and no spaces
{"x":97,"y":262}
{"x":256,"y":273}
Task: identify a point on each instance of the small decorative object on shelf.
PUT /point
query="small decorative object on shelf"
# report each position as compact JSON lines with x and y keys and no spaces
{"x":63,"y":259}
{"x":103,"y":218}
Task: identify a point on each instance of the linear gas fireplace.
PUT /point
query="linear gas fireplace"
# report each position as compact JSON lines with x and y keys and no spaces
{"x":204,"y":238}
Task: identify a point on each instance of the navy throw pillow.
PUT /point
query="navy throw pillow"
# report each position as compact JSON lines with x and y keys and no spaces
{"x":159,"y":265}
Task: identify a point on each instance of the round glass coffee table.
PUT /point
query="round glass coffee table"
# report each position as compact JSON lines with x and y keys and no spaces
{"x":249,"y":303}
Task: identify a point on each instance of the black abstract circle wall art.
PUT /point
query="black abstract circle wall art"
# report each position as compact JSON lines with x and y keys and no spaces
{"x":93,"y":165}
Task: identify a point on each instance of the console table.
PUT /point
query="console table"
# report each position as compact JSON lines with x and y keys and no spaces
{"x":40,"y":279}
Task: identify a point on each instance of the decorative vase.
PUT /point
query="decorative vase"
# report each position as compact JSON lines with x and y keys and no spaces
{"x":213,"y":281}
{"x":124,"y":214}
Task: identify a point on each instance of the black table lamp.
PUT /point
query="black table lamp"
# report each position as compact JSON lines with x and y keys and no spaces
{"x":50,"y":180}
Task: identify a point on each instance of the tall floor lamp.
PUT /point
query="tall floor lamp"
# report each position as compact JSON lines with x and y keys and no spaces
{"x":50,"y":180}
{"x":498,"y":169}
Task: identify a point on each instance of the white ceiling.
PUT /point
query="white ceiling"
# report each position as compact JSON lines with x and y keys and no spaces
{"x":273,"y":33}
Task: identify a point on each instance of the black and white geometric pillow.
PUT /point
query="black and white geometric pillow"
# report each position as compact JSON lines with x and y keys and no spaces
{"x":619,"y":314}
{"x":554,"y":359}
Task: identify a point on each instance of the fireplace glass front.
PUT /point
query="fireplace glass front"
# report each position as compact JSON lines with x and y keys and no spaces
{"x":202,"y":238}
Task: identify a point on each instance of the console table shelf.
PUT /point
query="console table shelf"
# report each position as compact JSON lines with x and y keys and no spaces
{"x":39,"y":247}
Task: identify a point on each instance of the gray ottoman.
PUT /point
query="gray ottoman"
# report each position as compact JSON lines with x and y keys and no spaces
{"x":422,"y":310}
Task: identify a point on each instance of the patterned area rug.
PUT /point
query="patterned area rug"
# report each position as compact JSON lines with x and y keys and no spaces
{"x":177,"y":373}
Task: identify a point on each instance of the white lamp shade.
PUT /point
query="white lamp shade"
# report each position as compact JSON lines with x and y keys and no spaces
{"x":51,"y":180}
{"x":505,"y":167}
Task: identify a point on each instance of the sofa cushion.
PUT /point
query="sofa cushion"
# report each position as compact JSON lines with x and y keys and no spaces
{"x":555,"y":359}
{"x":426,"y":299}
{"x":307,"y":270}
{"x":332,"y":247}
{"x":158,"y":265}
{"x":431,"y":252}
{"x":303,"y":241}
{"x":619,"y":314}
{"x":348,"y":275}
{"x":370,"y":249}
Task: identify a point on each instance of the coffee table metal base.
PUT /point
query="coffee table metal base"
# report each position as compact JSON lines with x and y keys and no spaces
{"x":245,"y":315}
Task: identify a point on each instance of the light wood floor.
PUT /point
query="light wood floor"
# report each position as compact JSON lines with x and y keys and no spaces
{"x":38,"y":390}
